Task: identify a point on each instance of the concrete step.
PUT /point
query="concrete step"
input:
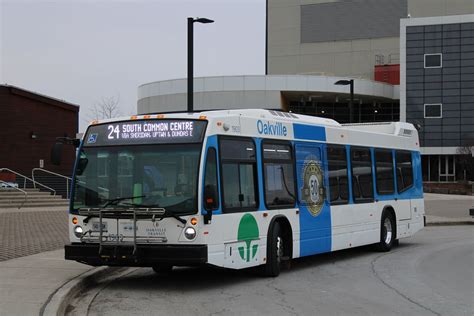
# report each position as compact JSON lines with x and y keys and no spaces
{"x":14,"y":199}
{"x":64,"y":203}
{"x":19,"y":193}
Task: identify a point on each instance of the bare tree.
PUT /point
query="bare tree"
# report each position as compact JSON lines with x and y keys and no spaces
{"x":107,"y":108}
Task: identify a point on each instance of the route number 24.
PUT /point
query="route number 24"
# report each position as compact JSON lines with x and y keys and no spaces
{"x":113,"y":130}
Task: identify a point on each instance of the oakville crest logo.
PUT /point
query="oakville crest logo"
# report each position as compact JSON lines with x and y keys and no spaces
{"x":248,"y":232}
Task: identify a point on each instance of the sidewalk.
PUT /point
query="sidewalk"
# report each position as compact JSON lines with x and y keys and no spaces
{"x":32,"y":230}
{"x":448,"y":209}
{"x":26,"y":283}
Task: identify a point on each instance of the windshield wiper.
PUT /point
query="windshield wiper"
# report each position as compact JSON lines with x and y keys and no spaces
{"x":167,"y":212}
{"x":116,"y":200}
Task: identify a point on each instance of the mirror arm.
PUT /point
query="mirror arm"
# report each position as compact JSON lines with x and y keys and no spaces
{"x":69,"y":141}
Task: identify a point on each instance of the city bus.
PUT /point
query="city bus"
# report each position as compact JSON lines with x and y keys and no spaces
{"x":240,"y":189}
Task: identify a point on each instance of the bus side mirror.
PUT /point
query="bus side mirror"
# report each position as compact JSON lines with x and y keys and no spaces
{"x":210,"y":202}
{"x":81,"y":165}
{"x":56,"y":153}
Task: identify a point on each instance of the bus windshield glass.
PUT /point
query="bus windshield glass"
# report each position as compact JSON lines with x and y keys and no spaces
{"x":157,"y":175}
{"x":154,"y":160}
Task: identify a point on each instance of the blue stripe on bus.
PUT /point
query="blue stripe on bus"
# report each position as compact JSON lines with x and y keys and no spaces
{"x":315,"y":230}
{"x":309,"y":132}
{"x":212,"y":142}
{"x":261,"y":193}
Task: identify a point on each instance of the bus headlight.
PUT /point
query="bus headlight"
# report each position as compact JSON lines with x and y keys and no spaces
{"x":78,"y":231}
{"x":190,"y":233}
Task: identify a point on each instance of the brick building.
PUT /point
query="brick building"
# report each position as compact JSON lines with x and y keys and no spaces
{"x":29,"y":125}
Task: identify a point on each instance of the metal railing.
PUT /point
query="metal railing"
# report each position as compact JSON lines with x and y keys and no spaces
{"x":54,"y":174}
{"x":18,"y":189}
{"x":25,"y":178}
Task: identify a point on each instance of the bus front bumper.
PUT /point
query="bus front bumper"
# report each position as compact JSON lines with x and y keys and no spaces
{"x":144,"y":256}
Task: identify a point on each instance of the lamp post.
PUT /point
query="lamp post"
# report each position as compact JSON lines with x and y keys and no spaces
{"x":351,"y":103}
{"x":191,"y":57}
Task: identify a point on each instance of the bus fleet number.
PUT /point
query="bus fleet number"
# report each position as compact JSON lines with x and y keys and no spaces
{"x":113,"y":130}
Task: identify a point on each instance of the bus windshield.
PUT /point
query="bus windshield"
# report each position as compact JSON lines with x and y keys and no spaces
{"x":156,"y":175}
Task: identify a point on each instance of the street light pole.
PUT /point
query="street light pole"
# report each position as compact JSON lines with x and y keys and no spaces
{"x":351,"y":105}
{"x":351,"y":102}
{"x":190,"y":64}
{"x":191,"y":58}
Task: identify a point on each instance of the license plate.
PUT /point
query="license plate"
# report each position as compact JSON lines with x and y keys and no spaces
{"x":96,"y":225}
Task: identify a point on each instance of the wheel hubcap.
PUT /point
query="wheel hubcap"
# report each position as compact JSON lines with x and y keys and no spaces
{"x":279,"y":245}
{"x":387,"y":224}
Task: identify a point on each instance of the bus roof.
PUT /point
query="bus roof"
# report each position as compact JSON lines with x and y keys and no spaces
{"x":287,"y":125}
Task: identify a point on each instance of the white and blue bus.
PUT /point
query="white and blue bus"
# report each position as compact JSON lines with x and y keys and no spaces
{"x":239,"y":189}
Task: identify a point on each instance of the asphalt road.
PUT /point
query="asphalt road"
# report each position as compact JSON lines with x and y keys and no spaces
{"x":428,"y":274}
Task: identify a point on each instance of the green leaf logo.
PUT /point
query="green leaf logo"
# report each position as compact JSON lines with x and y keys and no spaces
{"x":248,"y":231}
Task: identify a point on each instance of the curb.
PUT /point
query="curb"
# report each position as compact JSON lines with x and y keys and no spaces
{"x":447,"y":223}
{"x":59,"y":300}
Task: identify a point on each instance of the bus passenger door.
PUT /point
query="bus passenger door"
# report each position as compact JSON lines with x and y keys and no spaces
{"x":315,"y":215}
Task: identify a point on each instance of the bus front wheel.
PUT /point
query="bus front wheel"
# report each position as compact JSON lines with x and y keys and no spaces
{"x":387,"y":232}
{"x":275,"y":251}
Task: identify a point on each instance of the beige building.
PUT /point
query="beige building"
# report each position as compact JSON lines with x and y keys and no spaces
{"x":343,"y":37}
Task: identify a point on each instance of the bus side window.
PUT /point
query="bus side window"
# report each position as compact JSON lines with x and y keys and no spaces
{"x":384,"y":171}
{"x":338,"y":184}
{"x":362,"y":181}
{"x":211,"y":195}
{"x":404,"y":170}
{"x":278,"y":172}
{"x":239,"y":174}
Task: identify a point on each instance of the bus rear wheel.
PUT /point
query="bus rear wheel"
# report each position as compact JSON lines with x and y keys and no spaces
{"x":387,"y":232}
{"x":275,"y":252}
{"x":162,"y":268}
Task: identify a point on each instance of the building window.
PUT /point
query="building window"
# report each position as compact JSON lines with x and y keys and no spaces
{"x":362,"y":181}
{"x":338,"y":183}
{"x":433,"y":60}
{"x":384,"y":171}
{"x":278,"y":171}
{"x":433,"y":110}
{"x":239,"y":174}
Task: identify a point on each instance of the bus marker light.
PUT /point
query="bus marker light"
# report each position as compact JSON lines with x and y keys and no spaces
{"x":160,"y":116}
{"x":202,"y":117}
{"x":134,"y":117}
{"x":206,"y":233}
{"x":74,"y":220}
{"x":265,"y":214}
{"x":94,"y":122}
{"x":297,"y":212}
{"x":147,"y":116}
{"x":194,"y":221}
{"x":219,"y":123}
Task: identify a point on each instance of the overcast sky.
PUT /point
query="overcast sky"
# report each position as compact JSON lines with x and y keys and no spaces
{"x":82,"y":51}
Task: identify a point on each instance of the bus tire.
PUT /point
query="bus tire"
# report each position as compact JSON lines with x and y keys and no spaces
{"x":387,"y":232}
{"x":275,"y":251}
{"x":162,"y":268}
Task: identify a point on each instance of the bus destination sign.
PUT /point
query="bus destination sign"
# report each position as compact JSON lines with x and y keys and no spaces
{"x":145,"y":132}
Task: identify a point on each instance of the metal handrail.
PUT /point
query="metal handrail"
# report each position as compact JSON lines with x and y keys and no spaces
{"x":55,"y":174}
{"x":26,"y":178}
{"x":22,"y":191}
